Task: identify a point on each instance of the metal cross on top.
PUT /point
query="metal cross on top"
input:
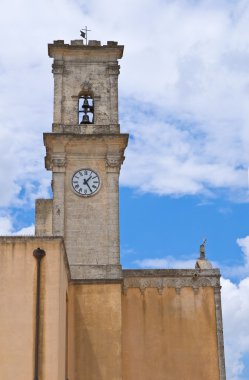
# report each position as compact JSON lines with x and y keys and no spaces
{"x":83,"y":33}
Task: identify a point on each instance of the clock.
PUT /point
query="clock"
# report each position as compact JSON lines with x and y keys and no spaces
{"x":86,"y":182}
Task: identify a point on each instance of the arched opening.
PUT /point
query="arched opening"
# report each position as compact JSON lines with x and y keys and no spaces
{"x":86,"y":109}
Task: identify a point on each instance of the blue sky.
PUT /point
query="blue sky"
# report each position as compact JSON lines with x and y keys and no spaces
{"x":184,"y":99}
{"x":174,"y":227}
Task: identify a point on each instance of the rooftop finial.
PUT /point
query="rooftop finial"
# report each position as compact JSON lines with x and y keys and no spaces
{"x":202,"y":262}
{"x":83,"y":33}
{"x":202,"y":250}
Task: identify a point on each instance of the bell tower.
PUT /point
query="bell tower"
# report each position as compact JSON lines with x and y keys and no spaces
{"x":85,"y":151}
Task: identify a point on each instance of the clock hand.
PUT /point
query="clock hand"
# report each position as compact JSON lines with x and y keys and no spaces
{"x":86,"y":183}
{"x":88,"y":178}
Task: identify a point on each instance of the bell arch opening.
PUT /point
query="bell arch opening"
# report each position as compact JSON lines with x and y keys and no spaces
{"x":85,"y":109}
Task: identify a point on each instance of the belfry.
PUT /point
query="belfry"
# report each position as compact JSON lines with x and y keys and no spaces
{"x":85,"y":154}
{"x":69,"y":311}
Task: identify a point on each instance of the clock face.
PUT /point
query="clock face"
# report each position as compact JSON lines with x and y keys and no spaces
{"x":85,"y":182}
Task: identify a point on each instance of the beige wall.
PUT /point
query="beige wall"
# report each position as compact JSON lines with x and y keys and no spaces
{"x":170,"y":336}
{"x":90,"y":225}
{"x":95,"y":332}
{"x":43,"y":217}
{"x":86,"y":218}
{"x":17,"y":316}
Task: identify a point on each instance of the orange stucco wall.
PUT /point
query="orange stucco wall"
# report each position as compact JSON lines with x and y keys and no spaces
{"x":169,"y":336}
{"x":17,"y":316}
{"x":94,"y":344}
{"x":100,"y":333}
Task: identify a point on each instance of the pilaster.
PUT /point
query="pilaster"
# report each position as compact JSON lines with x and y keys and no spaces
{"x":58,"y":168}
{"x":220,"y":338}
{"x":113,"y":164}
{"x":113,"y":71}
{"x":57,"y":70}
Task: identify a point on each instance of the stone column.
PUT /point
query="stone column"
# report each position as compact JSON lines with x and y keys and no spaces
{"x":57,"y":70}
{"x":113,"y":164}
{"x":58,"y":167}
{"x":73,"y":110}
{"x":96,"y":108}
{"x":113,"y":71}
{"x":220,"y":339}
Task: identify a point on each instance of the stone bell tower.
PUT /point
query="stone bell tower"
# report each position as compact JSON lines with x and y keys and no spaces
{"x":84,"y":152}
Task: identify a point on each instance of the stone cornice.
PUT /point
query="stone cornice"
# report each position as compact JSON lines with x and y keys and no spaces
{"x":106,"y":52}
{"x":108,"y":146}
{"x":114,"y":137}
{"x":170,"y":272}
{"x":171,"y":278}
{"x":86,"y":129}
{"x":23,"y":238}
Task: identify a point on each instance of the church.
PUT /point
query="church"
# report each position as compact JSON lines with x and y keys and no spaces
{"x":68,"y":309}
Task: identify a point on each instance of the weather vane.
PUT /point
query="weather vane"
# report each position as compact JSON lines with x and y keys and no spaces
{"x":83,"y":33}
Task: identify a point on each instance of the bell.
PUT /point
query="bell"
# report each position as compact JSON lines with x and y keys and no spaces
{"x":85,"y":103}
{"x":85,"y":119}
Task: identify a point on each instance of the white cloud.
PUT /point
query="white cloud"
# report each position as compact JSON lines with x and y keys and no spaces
{"x":5,"y":225}
{"x":26,"y":93}
{"x":166,"y":262}
{"x":25,"y":231}
{"x":188,"y":62}
{"x":7,"y":228}
{"x":239,"y":271}
{"x":184,"y":84}
{"x":165,"y":158}
{"x":235,"y":305}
